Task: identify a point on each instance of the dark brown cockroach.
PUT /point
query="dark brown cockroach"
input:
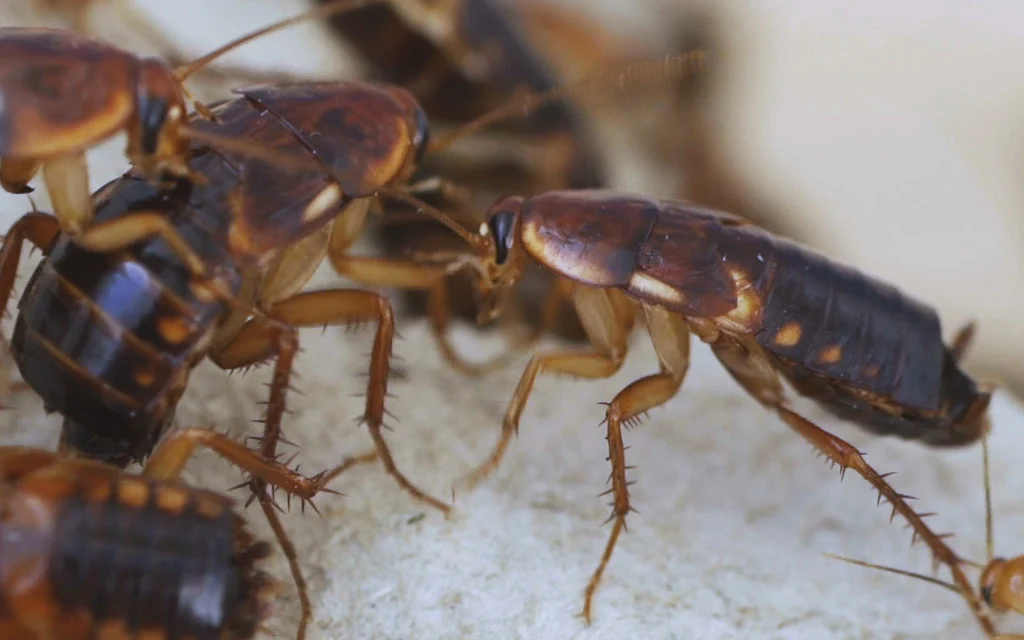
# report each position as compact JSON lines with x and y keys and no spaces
{"x":1001,"y":583}
{"x":63,"y":93}
{"x":765,"y":306}
{"x":477,"y":63}
{"x":107,"y":334}
{"x":91,"y":552}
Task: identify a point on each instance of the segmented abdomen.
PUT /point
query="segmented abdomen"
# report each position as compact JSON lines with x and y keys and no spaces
{"x":840,"y":323}
{"x":158,"y":557}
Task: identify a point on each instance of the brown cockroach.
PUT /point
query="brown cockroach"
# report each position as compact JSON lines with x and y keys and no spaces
{"x":91,"y":552}
{"x":1001,"y":582}
{"x":63,"y":93}
{"x":112,"y":322}
{"x":767,"y":307}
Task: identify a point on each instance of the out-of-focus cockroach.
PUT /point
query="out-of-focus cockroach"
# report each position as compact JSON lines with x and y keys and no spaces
{"x":477,"y":60}
{"x":1001,"y":583}
{"x":768,"y":308}
{"x":90,"y":552}
{"x":63,"y":92}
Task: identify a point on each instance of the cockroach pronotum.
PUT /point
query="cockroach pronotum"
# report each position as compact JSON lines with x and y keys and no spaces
{"x":91,"y":552}
{"x":63,"y":92}
{"x":1001,"y":583}
{"x":767,"y":307}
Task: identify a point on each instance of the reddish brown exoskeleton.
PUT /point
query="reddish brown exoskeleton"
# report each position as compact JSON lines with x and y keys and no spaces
{"x":91,"y":552}
{"x":1001,"y":582}
{"x":113,"y":321}
{"x":768,"y":308}
{"x":62,"y":93}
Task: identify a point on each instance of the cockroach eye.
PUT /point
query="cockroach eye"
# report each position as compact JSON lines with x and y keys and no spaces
{"x":502,"y":226}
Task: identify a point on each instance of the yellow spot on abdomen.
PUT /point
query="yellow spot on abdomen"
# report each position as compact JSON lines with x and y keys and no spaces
{"x":173,"y":329}
{"x":789,"y":335}
{"x":171,"y":499}
{"x":133,"y":493}
{"x":831,"y":355}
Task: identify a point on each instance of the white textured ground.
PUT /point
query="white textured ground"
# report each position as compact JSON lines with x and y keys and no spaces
{"x":735,"y":510}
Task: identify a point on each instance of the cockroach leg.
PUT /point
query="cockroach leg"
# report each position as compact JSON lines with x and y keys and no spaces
{"x":177,"y":447}
{"x":608,"y":333}
{"x":16,"y":173}
{"x":259,"y":340}
{"x":671,"y":339}
{"x":67,"y":180}
{"x":291,"y":554}
{"x":382,"y":272}
{"x":125,"y":231}
{"x":751,"y":368}
{"x":37,"y":228}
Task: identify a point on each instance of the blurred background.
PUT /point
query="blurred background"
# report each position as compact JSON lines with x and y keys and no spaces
{"x":885,"y":135}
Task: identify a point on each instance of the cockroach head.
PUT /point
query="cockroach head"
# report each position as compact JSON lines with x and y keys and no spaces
{"x":154,"y":143}
{"x":499,"y":258}
{"x":1002,"y":584}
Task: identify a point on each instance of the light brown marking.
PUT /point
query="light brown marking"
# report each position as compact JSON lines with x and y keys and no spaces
{"x":133,"y":492}
{"x":171,"y":499}
{"x":656,"y":290}
{"x":98,"y":492}
{"x":831,"y":355}
{"x":115,"y":629}
{"x":745,"y":318}
{"x":871,"y":371}
{"x":152,"y":634}
{"x":789,"y":334}
{"x":208,"y":506}
{"x":144,"y":377}
{"x":174,"y":329}
{"x":323,"y":203}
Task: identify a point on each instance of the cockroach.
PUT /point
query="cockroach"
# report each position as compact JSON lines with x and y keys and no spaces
{"x":108,"y":331}
{"x":477,"y":62}
{"x":767,"y":307}
{"x":63,"y":92}
{"x":91,"y":552}
{"x":1001,"y":583}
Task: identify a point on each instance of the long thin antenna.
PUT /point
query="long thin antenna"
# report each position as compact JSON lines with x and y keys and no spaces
{"x":330,"y":8}
{"x":679,"y":65}
{"x":473,"y":240}
{"x":910,"y":574}
{"x":989,"y":543}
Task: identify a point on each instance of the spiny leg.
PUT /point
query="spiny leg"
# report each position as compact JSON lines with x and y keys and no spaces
{"x":130,"y":229}
{"x":671,"y":340}
{"x":178,"y":446}
{"x":608,"y":337}
{"x":40,"y":229}
{"x":750,"y":367}
{"x":292,"y":556}
{"x":259,"y":340}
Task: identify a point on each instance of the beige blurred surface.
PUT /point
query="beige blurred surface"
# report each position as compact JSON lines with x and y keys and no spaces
{"x":891,"y":137}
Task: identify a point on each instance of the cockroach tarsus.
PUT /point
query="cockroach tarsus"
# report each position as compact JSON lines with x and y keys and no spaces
{"x":766,"y":307}
{"x":1001,"y":580}
{"x":82,"y":542}
{"x":63,"y":92}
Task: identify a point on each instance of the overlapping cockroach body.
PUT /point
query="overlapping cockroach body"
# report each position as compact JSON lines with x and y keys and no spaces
{"x":91,"y":552}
